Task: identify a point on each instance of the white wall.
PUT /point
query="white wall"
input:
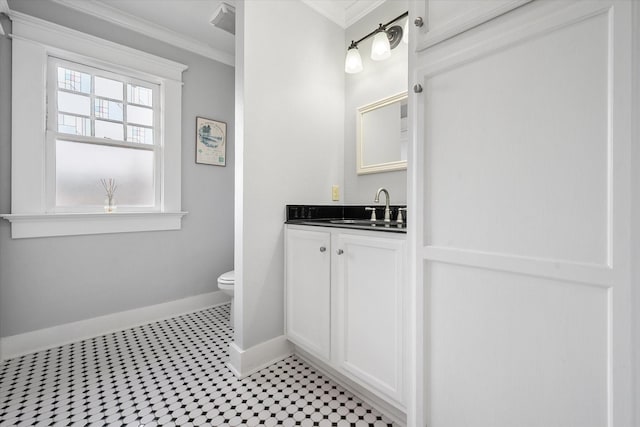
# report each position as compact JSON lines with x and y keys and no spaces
{"x":378,"y":80}
{"x":290,"y":115}
{"x":51,"y":281}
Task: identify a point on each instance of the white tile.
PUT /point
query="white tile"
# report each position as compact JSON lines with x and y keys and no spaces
{"x":169,"y":373}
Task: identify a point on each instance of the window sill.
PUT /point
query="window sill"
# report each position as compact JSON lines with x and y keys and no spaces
{"x":72,"y":224}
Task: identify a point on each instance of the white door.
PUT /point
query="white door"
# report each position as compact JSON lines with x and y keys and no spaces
{"x":522,"y":182}
{"x":308,"y":290}
{"x":369,"y":316}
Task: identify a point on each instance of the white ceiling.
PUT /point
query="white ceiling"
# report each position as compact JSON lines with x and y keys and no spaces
{"x":188,"y":17}
{"x":182,"y":23}
{"x":186,"y":23}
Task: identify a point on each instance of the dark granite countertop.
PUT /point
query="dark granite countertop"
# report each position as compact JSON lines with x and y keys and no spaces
{"x":345,"y":216}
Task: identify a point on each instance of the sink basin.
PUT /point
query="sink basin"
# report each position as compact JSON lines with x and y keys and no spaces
{"x":364,"y":222}
{"x":351,"y":221}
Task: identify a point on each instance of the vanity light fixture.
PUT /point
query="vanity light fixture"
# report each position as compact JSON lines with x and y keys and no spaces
{"x":353,"y":63}
{"x":385,"y":38}
{"x":381,"y":48}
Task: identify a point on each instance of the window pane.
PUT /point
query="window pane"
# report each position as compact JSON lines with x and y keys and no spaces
{"x":72,"y":103}
{"x":74,"y":125}
{"x":74,"y":80}
{"x":139,"y":95}
{"x":81,"y":166}
{"x":139,"y":135}
{"x":109,"y":130}
{"x":109,"y":88}
{"x":108,"y":109}
{"x":140,"y":115}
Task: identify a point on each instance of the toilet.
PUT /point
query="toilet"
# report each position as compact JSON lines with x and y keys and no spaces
{"x":226,"y":282}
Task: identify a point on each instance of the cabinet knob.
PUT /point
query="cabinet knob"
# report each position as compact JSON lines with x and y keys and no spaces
{"x":417,"y":88}
{"x":322,"y":249}
{"x":418,"y":22}
{"x":339,"y":251}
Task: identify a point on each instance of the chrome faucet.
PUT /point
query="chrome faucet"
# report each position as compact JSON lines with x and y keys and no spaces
{"x":387,"y":210}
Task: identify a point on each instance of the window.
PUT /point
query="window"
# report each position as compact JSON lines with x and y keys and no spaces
{"x":84,"y":109}
{"x":101,"y":125}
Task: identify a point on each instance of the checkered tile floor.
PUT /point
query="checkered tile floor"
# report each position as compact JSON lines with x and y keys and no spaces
{"x":169,"y":373}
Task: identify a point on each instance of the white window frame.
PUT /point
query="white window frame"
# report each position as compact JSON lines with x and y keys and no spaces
{"x":33,"y":42}
{"x":53,"y":134}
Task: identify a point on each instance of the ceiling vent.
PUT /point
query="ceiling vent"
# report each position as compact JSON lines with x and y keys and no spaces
{"x":225,"y":18}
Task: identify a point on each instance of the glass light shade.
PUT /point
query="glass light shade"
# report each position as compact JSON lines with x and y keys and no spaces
{"x":353,"y":62}
{"x":405,"y":33}
{"x":380,"y":49}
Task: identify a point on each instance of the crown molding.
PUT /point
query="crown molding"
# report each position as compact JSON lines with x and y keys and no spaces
{"x":139,"y":25}
{"x":69,"y":41}
{"x":344,"y":16}
{"x":4,"y":8}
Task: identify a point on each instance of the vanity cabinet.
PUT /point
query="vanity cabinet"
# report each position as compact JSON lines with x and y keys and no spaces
{"x":345,"y":304}
{"x":308,"y":276}
{"x":369,"y":310}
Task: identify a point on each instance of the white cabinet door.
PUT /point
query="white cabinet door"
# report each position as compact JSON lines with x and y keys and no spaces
{"x":308,"y":282}
{"x":369,"y":315}
{"x":522,"y":158}
{"x":443,"y":19}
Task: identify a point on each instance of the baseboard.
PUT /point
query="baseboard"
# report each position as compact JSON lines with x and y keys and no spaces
{"x":396,"y":415}
{"x":245,"y":362}
{"x":29,"y":342}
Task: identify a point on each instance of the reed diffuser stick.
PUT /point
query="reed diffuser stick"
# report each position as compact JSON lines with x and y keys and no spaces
{"x":109,"y":186}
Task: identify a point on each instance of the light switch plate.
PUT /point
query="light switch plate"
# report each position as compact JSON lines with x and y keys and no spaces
{"x":335,"y":193}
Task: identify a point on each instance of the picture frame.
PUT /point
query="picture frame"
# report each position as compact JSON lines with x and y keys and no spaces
{"x":211,"y":142}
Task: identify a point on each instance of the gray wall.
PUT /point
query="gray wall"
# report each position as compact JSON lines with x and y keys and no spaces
{"x":51,"y":281}
{"x":378,"y":80}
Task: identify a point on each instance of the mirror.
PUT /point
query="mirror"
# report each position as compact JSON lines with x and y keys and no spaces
{"x":382,"y":135}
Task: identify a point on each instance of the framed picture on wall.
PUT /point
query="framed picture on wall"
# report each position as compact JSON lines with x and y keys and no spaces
{"x":211,"y":142}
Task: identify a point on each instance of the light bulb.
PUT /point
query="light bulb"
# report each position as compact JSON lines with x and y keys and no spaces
{"x":405,"y":33}
{"x":353,"y":61}
{"x":380,"y":49}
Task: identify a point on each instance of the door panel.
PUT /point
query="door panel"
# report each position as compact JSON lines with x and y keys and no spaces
{"x":444,"y":19}
{"x":516,"y":350}
{"x":308,"y":290}
{"x":520,"y":137}
{"x":370,"y":316}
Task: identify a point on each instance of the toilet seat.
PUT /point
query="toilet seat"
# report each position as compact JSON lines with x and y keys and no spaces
{"x":227,"y":281}
{"x":228,"y":278}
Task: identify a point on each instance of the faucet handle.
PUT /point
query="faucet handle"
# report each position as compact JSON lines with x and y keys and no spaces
{"x":373,"y":213}
{"x":399,"y":218}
